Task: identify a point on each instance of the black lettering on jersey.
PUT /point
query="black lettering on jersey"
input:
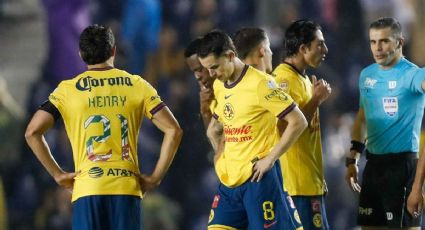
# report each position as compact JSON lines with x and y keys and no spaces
{"x":87,"y":83}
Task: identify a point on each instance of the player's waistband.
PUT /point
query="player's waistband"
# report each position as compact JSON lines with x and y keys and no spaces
{"x":391,"y":156}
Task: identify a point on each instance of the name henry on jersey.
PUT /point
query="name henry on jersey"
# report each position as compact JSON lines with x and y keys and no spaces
{"x":87,"y":83}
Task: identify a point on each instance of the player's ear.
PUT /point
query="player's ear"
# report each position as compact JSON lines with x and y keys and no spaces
{"x":302,"y":49}
{"x":231,"y":55}
{"x":114,"y":51}
{"x":261,"y":52}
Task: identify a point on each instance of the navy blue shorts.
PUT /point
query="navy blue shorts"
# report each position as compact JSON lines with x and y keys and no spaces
{"x":255,"y":205}
{"x":312,"y":212}
{"x":107,"y":212}
{"x":387,"y":182}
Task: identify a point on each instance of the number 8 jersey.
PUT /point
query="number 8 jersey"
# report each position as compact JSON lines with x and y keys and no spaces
{"x":102,"y":111}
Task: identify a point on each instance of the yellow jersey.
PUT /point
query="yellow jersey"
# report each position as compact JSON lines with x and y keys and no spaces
{"x":302,"y":164}
{"x":102,"y":111}
{"x":247,"y":109}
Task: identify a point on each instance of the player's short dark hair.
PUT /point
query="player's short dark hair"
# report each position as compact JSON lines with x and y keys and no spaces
{"x":247,"y":39}
{"x":192,"y":48}
{"x":383,"y":22}
{"x":96,"y":43}
{"x":298,"y":33}
{"x":215,"y":42}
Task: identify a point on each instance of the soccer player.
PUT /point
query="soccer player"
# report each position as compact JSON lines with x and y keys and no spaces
{"x":302,"y":164}
{"x":205,"y":81}
{"x":391,"y":109}
{"x":253,"y":48}
{"x":102,"y":109}
{"x":248,"y":102}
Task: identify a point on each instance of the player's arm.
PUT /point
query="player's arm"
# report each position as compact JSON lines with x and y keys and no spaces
{"x":354,"y":154}
{"x":216,"y":136}
{"x":40,"y":123}
{"x":415,"y":200}
{"x":164,"y":121}
{"x":296,"y":123}
{"x":321,"y":92}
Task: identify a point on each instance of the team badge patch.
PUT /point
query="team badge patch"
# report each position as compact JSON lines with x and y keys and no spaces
{"x":284,"y":85}
{"x":317,"y":220}
{"x":211,"y":216}
{"x":228,"y":112}
{"x":390,"y":105}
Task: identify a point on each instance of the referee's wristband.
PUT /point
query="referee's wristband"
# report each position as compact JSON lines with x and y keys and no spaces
{"x":357,"y":146}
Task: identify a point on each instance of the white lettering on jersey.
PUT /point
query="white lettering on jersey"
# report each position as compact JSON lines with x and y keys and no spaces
{"x":370,"y":83}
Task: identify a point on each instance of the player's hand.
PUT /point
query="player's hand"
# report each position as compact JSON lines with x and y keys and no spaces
{"x":66,"y":180}
{"x":261,"y":167}
{"x":206,"y":95}
{"x":351,"y":177}
{"x":147,"y":183}
{"x":415,"y":203}
{"x":321,"y":89}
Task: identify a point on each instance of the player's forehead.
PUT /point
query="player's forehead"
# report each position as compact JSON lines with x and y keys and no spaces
{"x":211,"y":60}
{"x":381,"y":33}
{"x":318,"y":36}
{"x":193,"y":62}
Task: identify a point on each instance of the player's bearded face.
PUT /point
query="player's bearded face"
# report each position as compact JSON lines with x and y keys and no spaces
{"x":201,"y":73}
{"x":218,"y":67}
{"x":384,"y":46}
{"x":316,"y":51}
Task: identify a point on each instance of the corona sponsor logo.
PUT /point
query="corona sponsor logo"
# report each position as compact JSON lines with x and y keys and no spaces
{"x":317,"y":220}
{"x":87,"y":83}
{"x":95,"y":172}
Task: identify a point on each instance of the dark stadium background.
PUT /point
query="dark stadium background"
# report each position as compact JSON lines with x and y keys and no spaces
{"x":38,"y":48}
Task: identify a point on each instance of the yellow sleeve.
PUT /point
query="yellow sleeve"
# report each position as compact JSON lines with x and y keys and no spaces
{"x":273,"y":98}
{"x":291,"y":87}
{"x":58,"y":96}
{"x":151,"y":100}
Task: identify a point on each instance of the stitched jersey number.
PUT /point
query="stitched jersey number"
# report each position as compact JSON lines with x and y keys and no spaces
{"x":268,"y":210}
{"x":105,"y":136}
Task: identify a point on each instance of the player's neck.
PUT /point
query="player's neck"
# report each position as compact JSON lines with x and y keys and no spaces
{"x":108,"y":64}
{"x":297,"y":63}
{"x":254,"y":62}
{"x":392,"y":63}
{"x":239,"y":65}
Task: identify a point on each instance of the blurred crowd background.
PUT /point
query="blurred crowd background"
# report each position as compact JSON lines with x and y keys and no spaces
{"x":39,"y":48}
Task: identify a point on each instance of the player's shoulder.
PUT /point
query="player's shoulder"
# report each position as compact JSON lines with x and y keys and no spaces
{"x":285,"y":71}
{"x":369,"y":70}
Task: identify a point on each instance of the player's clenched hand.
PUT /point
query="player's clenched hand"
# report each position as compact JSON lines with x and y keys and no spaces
{"x":352,"y":177}
{"x":147,"y":183}
{"x":66,"y":180}
{"x":261,"y":167}
{"x":321,"y":89}
{"x":415,"y":203}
